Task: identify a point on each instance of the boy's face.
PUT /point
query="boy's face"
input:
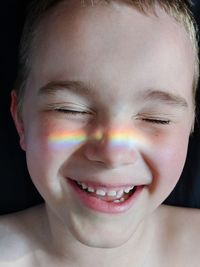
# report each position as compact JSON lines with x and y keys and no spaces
{"x":127,"y":78}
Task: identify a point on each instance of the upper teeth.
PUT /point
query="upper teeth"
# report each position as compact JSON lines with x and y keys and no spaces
{"x":108,"y":192}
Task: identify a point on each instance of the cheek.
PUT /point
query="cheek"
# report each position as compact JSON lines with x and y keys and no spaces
{"x":49,"y":145}
{"x":41,"y":160}
{"x":49,"y":148}
{"x":167,"y":161}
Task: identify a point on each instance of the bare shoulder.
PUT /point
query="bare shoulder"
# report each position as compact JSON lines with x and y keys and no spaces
{"x":181,"y":234}
{"x":184,"y":220}
{"x":18,"y":236}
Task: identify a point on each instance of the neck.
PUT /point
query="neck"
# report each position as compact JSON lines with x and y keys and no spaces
{"x":65,"y":250}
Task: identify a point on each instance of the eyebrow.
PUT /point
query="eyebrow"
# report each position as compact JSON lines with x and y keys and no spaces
{"x":83,"y":89}
{"x":166,"y":98}
{"x":73,"y":86}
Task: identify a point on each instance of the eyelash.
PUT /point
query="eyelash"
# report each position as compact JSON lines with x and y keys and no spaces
{"x":76,"y":112}
{"x":157,"y":121}
{"x":72,"y":112}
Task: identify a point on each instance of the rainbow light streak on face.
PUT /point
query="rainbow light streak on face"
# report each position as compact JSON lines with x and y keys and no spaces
{"x":125,"y":138}
{"x":117,"y":139}
{"x":66,"y":139}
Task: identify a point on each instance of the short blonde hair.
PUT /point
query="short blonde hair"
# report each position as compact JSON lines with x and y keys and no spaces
{"x":180,"y":10}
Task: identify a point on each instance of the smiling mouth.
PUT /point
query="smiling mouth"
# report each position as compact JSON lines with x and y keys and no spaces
{"x":105,"y":198}
{"x":118,"y":195}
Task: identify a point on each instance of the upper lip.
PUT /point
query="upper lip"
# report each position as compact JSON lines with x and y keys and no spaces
{"x":95,"y":183}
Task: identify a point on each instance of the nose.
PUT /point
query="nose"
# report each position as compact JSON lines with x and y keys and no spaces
{"x":112,"y":148}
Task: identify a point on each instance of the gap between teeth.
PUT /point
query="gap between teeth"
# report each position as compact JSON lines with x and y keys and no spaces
{"x":110,"y":193}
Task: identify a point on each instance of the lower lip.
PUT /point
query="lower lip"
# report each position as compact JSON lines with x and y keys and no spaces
{"x":104,"y":206}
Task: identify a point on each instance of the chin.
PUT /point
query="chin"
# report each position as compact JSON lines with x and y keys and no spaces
{"x":101,"y":238}
{"x":108,"y":243}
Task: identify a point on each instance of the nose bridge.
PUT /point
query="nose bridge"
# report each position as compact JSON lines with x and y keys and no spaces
{"x":117,"y":139}
{"x":114,"y":146}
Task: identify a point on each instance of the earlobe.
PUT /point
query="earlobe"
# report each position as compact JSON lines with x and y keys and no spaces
{"x":17,"y":119}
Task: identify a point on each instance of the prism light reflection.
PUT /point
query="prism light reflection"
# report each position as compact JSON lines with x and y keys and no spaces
{"x":117,"y":139}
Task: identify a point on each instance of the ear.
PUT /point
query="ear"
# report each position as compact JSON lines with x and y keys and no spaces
{"x":17,"y":119}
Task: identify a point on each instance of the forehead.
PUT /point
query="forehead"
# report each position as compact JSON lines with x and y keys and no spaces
{"x":115,"y":38}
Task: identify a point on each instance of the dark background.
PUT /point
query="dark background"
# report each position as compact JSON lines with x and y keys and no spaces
{"x":16,"y":189}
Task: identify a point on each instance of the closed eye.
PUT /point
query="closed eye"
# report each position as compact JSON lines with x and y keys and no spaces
{"x":72,"y":112}
{"x":156,"y":121}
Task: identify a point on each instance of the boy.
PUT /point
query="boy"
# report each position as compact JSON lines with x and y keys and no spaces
{"x":104,"y":106}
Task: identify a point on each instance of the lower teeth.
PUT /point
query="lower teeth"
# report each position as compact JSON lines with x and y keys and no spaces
{"x":119,"y":200}
{"x":122,"y":199}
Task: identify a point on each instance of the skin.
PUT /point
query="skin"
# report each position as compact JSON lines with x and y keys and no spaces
{"x":122,"y":65}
